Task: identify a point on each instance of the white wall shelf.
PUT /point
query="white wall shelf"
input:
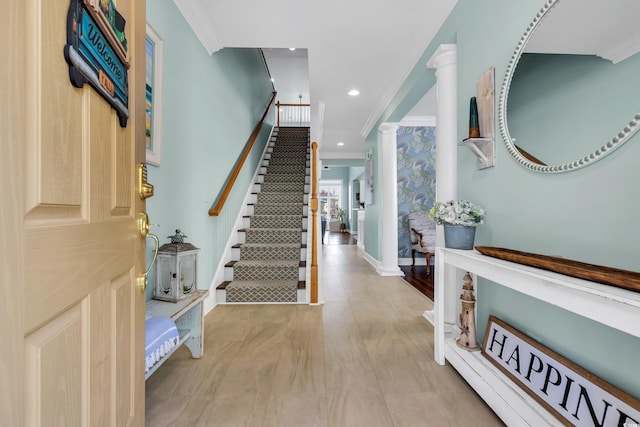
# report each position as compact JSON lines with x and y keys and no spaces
{"x":484,"y":147}
{"x":614,"y":307}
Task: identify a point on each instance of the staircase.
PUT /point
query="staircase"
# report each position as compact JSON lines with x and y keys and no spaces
{"x":269,"y":261}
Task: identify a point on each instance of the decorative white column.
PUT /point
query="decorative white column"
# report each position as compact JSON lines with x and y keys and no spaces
{"x":389,"y":164}
{"x":444,"y":61}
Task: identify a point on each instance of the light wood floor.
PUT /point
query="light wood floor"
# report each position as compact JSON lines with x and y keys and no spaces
{"x":364,"y":358}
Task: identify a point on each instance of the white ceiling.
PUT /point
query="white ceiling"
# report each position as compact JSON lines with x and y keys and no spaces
{"x":589,"y":27}
{"x":351,"y":44}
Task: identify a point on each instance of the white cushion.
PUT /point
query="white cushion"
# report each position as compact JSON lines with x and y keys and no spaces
{"x":422,"y":223}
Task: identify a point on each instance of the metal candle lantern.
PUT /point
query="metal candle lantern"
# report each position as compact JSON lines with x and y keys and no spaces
{"x":176,"y":269}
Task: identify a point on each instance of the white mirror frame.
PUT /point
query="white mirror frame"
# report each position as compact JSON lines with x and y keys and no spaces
{"x":623,"y":135}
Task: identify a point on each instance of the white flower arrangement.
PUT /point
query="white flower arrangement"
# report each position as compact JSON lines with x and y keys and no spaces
{"x":462,"y":212}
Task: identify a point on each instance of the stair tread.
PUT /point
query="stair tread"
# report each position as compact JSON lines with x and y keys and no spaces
{"x":281,"y":192}
{"x":261,"y":283}
{"x":269,"y":245}
{"x":222,"y":286}
{"x":271,"y":229}
{"x":278,"y":204}
{"x":268,"y":263}
{"x":276,"y":215}
{"x":281,"y":200}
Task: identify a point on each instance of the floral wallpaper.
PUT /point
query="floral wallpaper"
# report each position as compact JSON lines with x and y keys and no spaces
{"x":416,"y":178}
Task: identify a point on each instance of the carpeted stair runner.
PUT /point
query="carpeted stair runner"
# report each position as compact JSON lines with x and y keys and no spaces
{"x":270,"y":268}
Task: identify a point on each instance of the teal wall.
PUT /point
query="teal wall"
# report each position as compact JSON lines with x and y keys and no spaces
{"x":373,"y":212}
{"x":211,"y":104}
{"x":342,"y":173}
{"x":588,"y":215}
{"x":541,"y":88}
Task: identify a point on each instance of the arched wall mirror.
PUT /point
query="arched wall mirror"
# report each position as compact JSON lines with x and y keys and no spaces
{"x":571,"y":93}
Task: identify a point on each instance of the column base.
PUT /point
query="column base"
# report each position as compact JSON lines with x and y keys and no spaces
{"x":392,"y":271}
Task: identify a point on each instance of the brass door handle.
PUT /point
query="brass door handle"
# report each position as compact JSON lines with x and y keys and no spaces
{"x":145,"y":190}
{"x":143,"y":227}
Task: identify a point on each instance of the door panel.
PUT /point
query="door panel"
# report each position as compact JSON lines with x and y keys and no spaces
{"x":55,"y":112}
{"x":123,"y":329}
{"x":100,"y":356}
{"x":81,"y":317}
{"x":68,"y":262}
{"x":121,"y":173}
{"x":54,"y":354}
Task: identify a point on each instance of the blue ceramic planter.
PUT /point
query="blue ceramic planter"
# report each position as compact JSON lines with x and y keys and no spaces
{"x":458,"y":236}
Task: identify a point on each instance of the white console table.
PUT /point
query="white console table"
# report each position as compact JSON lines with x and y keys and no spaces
{"x":188,"y":314}
{"x":611,"y":306}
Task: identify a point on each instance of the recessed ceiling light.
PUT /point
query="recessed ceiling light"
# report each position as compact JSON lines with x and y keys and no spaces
{"x":292,"y":48}
{"x":340,"y":144}
{"x":354,"y":92}
{"x":272,"y":79}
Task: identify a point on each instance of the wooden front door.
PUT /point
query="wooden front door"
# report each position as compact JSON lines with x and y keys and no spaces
{"x":71,"y":316}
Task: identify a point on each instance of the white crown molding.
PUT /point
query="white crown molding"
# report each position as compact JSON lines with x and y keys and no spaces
{"x":622,"y":50}
{"x":383,"y":102}
{"x":418,"y":121}
{"x":394,"y":87}
{"x":386,"y":98}
{"x":324,"y":155}
{"x":200,"y":22}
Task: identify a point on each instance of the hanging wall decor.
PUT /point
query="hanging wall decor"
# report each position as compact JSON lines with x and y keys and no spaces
{"x":153,"y":96}
{"x":368,"y":195}
{"x":96,"y":52}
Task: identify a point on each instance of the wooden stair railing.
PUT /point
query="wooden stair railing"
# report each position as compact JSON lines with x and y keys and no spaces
{"x":301,"y":115}
{"x":231,"y":179}
{"x":314,"y":223}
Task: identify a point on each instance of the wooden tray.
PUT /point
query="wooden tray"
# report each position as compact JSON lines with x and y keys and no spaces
{"x":625,"y":279}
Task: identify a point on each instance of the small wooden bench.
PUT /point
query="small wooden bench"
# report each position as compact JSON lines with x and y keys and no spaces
{"x":188,"y":314}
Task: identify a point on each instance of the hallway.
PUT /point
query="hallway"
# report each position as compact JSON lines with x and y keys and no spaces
{"x":339,"y":239}
{"x":364,"y":358}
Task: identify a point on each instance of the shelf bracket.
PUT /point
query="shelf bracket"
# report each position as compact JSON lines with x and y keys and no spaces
{"x":483,"y":149}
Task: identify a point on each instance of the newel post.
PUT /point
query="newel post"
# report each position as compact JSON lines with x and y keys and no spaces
{"x":278,"y":110}
{"x":314,"y":223}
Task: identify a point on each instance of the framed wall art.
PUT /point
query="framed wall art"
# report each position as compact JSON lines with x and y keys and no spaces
{"x":368,"y":172}
{"x":153,"y":89}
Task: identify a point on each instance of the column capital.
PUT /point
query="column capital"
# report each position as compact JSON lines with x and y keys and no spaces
{"x":388,"y":128}
{"x":445,"y":54}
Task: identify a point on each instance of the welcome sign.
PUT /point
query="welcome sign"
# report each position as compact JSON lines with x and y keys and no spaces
{"x":93,"y":58}
{"x":574,"y":395}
